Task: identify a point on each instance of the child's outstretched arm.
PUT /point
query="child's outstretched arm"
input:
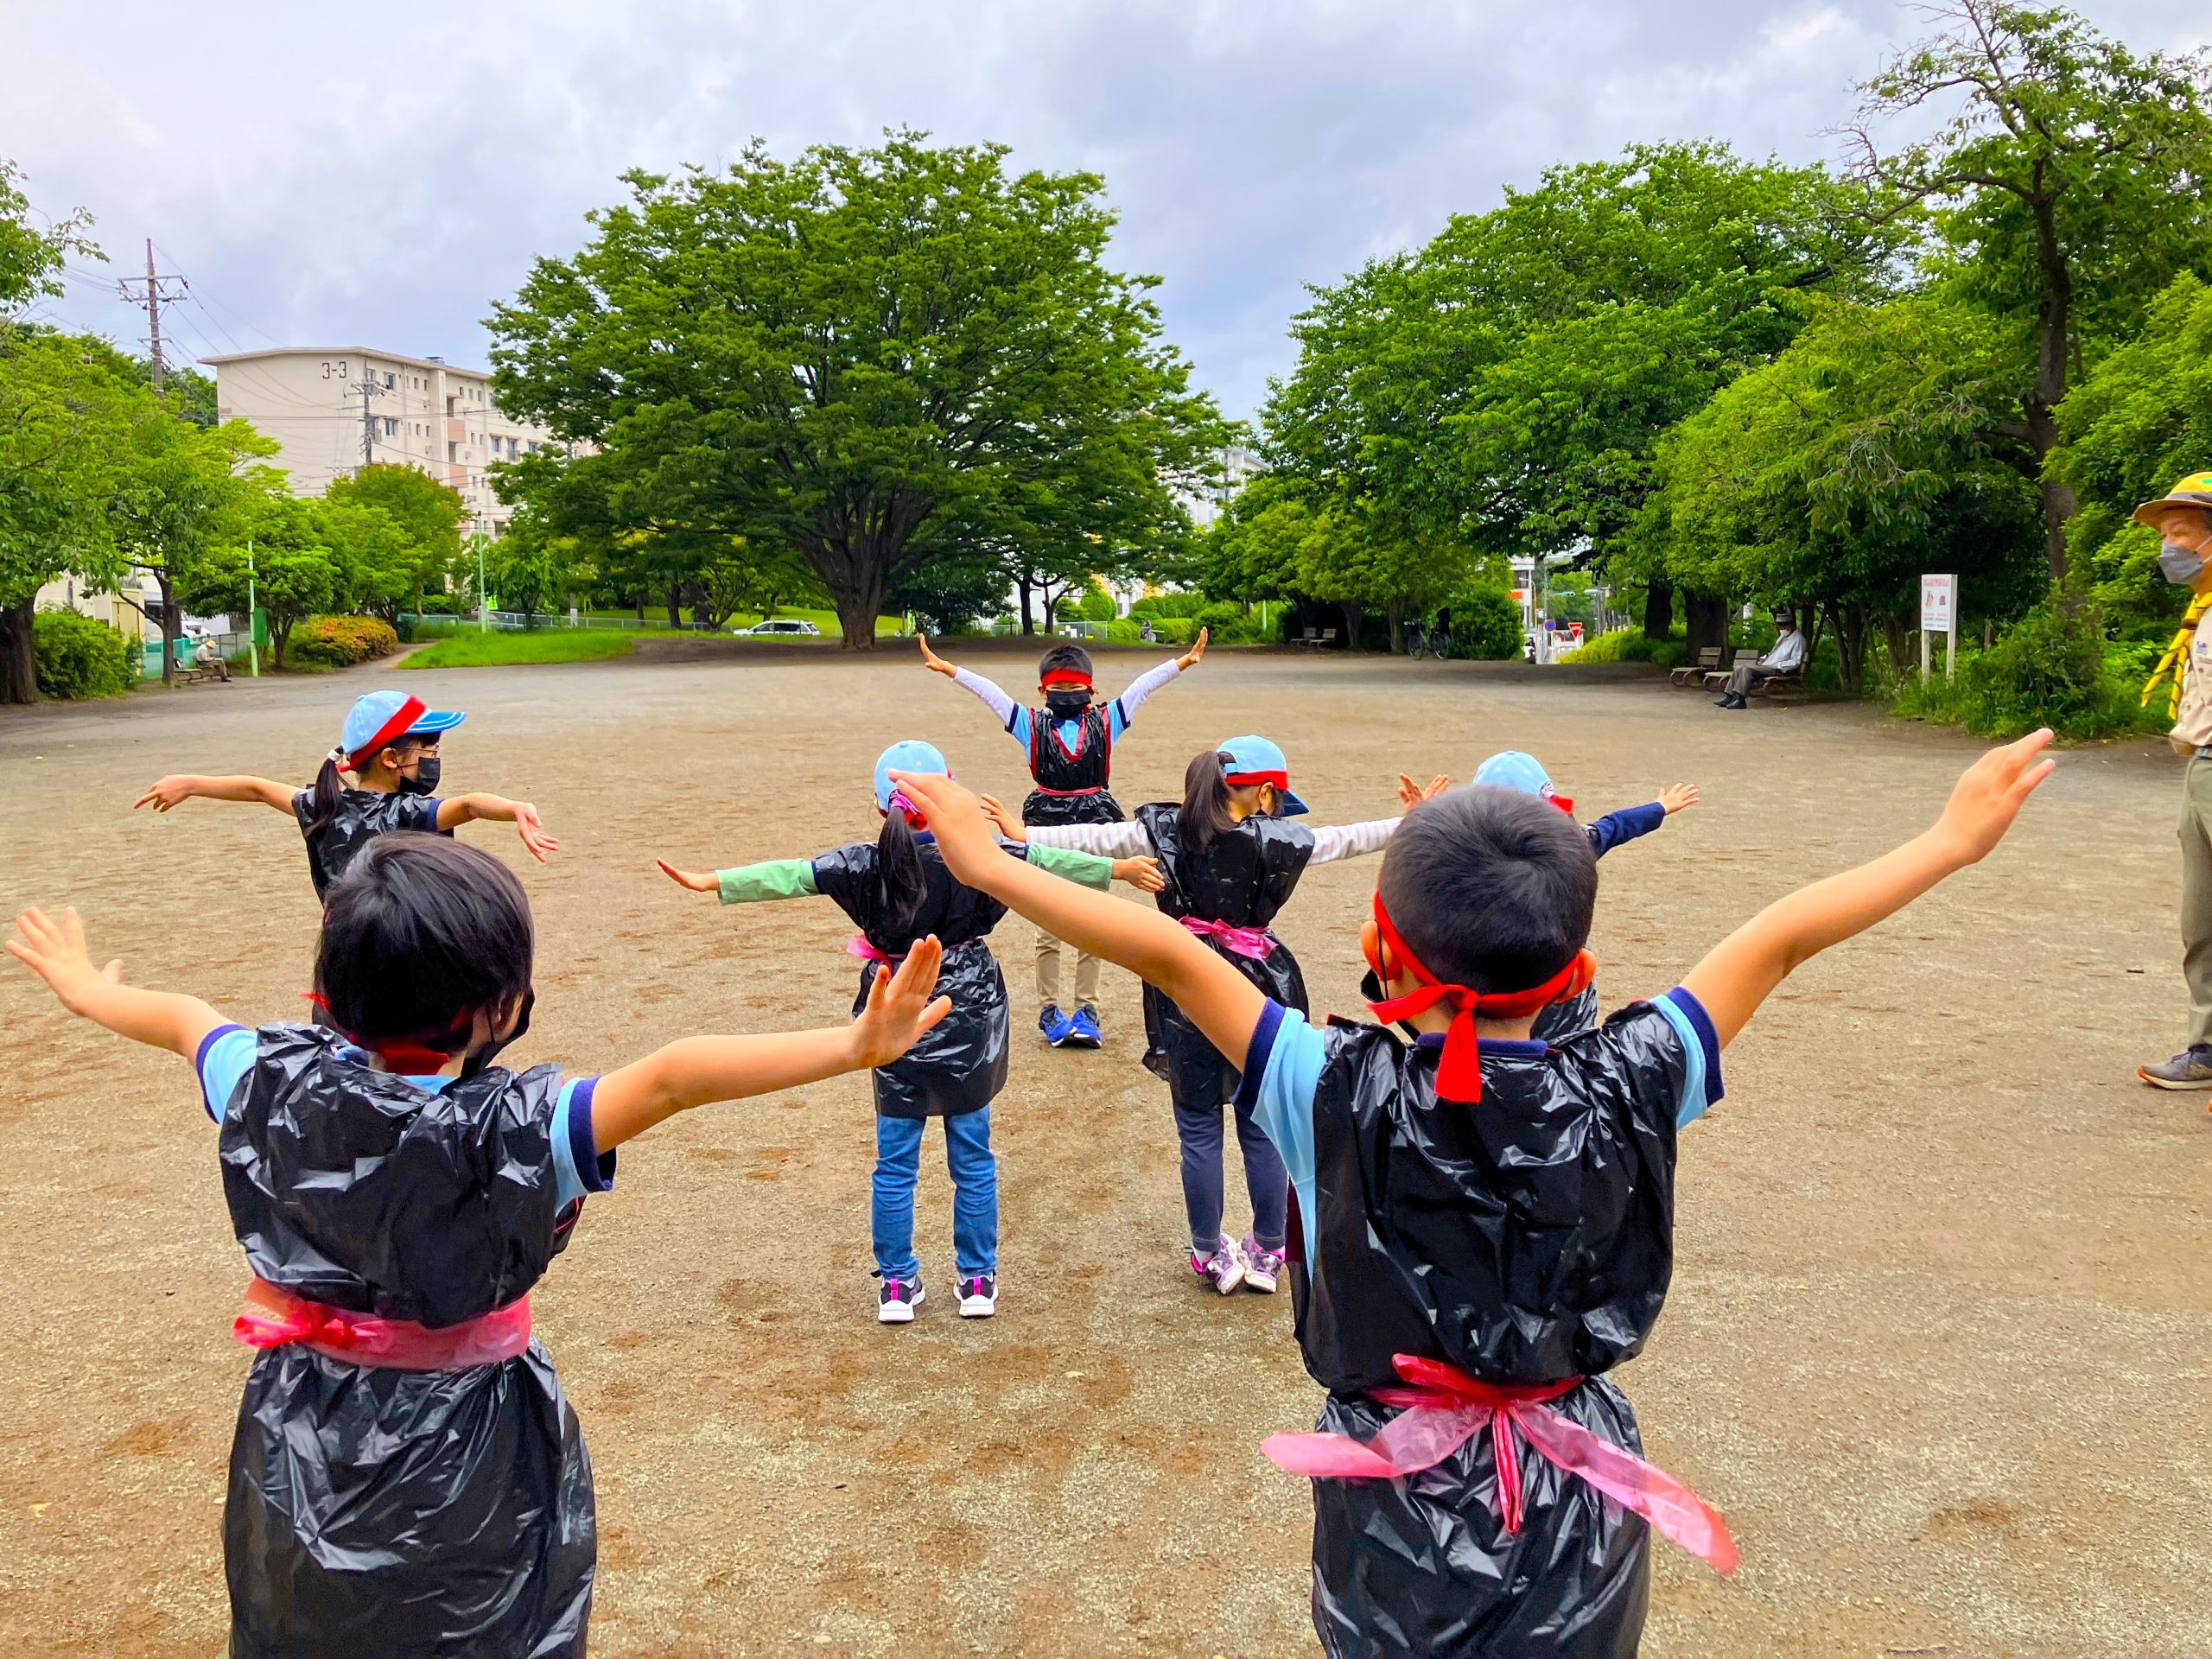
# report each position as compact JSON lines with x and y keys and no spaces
{"x":169,"y":793}
{"x":1220,"y":1000}
{"x":55,"y":950}
{"x":750,"y":884}
{"x":697,"y":1071}
{"x":1737,"y":973}
{"x":454,"y":811}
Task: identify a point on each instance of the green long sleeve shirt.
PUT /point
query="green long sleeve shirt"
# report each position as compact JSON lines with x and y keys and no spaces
{"x":793,"y":878}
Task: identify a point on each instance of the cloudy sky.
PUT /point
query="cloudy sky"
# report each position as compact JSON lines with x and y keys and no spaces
{"x":335,"y":176}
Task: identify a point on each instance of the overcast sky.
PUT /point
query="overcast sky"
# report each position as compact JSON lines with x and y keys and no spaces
{"x":334,"y":175}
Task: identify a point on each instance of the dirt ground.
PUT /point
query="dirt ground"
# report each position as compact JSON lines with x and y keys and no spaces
{"x":1937,"y":1344}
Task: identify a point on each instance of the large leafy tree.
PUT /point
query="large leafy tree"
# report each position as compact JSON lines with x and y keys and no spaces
{"x":878,"y":356}
{"x":297,"y":563}
{"x":2068,"y":186}
{"x":428,"y":514}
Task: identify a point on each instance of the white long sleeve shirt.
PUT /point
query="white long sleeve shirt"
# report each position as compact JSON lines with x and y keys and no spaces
{"x":1015,"y":717}
{"x":1129,"y":840}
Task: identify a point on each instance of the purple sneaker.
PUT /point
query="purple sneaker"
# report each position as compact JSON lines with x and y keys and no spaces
{"x":979,"y":1296}
{"x":1223,"y":1269}
{"x":896,"y":1302}
{"x":1262,"y":1266}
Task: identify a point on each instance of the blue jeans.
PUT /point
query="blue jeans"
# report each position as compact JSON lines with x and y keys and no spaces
{"x":975,"y":1193}
{"x":1266,"y":1181}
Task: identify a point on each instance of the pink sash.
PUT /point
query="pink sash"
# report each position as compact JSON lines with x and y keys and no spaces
{"x":1254,"y":942}
{"x":273,"y":1317}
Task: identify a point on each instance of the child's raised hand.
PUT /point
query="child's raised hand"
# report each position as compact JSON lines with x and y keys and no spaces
{"x":899,"y":1009}
{"x":1990,"y":793}
{"x":55,"y":950}
{"x":1008,"y":821}
{"x":690,"y":878}
{"x":1190,"y":658}
{"x":533,"y":833}
{"x":166,"y":795}
{"x":1411,"y":794}
{"x":1143,"y":874}
{"x":934,"y":662}
{"x":1676,"y":797}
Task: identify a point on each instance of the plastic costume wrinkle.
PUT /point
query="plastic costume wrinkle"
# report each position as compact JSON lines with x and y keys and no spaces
{"x":960,"y":1066}
{"x":1562,"y":1018}
{"x":1243,"y":878}
{"x":1071,"y":784}
{"x":1524,"y":1240}
{"x":360,"y":817}
{"x":383,"y":1511}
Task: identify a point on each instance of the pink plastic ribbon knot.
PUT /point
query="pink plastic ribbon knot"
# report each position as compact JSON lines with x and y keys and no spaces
{"x":1445,"y":1407}
{"x":272,"y":1318}
{"x":1254,"y":942}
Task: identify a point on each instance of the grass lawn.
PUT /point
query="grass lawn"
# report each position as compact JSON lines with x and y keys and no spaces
{"x":825,"y":621}
{"x":536,"y":646}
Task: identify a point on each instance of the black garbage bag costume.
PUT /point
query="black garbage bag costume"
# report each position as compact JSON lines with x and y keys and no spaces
{"x":1524,"y":1240}
{"x":360,"y":817}
{"x":1072,"y":783}
{"x":375,"y":1511}
{"x":959,"y":1066}
{"x":1243,"y":878}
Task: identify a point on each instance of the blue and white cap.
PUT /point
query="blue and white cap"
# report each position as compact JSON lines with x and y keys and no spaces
{"x":908,"y":754}
{"x":1254,"y":759}
{"x":1518,"y":769}
{"x":384,"y":717}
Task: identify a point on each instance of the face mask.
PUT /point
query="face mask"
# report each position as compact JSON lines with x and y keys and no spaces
{"x":1067,"y":705}
{"x":425,"y":781}
{"x":2180,"y":563}
{"x":484,"y":1057}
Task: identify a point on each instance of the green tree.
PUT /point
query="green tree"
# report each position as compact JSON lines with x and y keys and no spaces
{"x":878,"y":357}
{"x":2067,"y":185}
{"x":430,"y":516}
{"x":31,"y":257}
{"x":296,"y":573}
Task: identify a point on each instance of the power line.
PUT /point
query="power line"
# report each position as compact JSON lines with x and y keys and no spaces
{"x":155,"y":295}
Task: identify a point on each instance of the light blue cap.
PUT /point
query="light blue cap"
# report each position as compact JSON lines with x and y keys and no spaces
{"x":1252,"y":756}
{"x":371,"y":716}
{"x":908,"y":754}
{"x":1517,"y":769}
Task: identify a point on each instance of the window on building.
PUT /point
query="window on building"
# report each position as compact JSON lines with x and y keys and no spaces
{"x":390,"y":427}
{"x":449,"y":408}
{"x":391,"y":381}
{"x":453,"y":452}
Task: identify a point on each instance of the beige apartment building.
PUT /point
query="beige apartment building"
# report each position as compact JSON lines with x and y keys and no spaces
{"x":331,"y":410}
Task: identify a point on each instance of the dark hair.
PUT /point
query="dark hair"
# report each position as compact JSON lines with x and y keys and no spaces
{"x":1492,"y":888}
{"x":421,"y":934}
{"x":900,"y":887}
{"x":1205,"y":816}
{"x":1064,"y":656}
{"x":329,"y":785}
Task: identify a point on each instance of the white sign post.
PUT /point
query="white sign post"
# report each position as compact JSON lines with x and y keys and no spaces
{"x":1939,"y":612}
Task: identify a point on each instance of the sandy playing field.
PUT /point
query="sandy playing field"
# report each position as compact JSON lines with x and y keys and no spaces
{"x":1937,"y":1344}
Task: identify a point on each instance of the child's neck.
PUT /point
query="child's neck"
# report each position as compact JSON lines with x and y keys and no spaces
{"x":1501,"y":1030}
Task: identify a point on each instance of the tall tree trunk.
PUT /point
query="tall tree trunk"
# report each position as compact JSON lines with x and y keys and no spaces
{"x":1396,"y":611}
{"x":857,"y":605}
{"x":1853,"y":627}
{"x":1021,"y":586}
{"x":675,"y":605}
{"x":639,"y":599}
{"x":1704,"y":618}
{"x":1896,"y":642}
{"x":1354,"y":615}
{"x":2049,"y":389}
{"x":18,"y":658}
{"x":1658,"y":611}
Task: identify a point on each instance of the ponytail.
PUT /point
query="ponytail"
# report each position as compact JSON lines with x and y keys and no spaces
{"x":900,"y":887}
{"x":324,"y":797}
{"x":1205,"y":815}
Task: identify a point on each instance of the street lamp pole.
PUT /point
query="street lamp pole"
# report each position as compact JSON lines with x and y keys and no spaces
{"x":252,"y":649}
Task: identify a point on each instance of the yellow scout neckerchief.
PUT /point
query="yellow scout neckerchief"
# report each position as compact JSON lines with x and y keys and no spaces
{"x":2175,"y":662}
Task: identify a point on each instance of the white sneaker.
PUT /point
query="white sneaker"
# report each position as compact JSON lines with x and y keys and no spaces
{"x":898,"y":1299}
{"x":979,"y":1296}
{"x":1223,"y":1269}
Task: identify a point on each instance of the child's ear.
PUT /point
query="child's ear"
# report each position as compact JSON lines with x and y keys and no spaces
{"x":1371,"y":946}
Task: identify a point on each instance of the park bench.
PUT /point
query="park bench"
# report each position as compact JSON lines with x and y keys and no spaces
{"x":1708,"y":659}
{"x":1326,"y":636}
{"x":1717,"y":677}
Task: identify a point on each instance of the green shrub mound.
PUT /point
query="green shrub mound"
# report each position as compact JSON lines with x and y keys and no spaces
{"x":80,"y":657}
{"x":1486,"y":625}
{"x":342,"y":641}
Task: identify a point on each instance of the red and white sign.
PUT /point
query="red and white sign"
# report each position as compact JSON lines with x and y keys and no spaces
{"x":1938,"y":604}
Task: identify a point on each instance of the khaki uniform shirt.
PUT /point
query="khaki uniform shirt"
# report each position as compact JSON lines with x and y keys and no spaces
{"x":2193,"y":722}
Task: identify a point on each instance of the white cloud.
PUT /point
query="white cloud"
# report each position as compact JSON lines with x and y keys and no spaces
{"x":335,"y":177}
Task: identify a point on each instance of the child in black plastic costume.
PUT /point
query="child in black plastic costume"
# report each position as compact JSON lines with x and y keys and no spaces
{"x":407,"y":1476}
{"x":897,"y":890}
{"x":1231,"y":861}
{"x":1482,"y":1223}
{"x":1070,"y":745}
{"x":1518,"y":769}
{"x":391,"y":744}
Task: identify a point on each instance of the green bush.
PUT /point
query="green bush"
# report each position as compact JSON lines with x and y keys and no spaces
{"x":340,"y":641}
{"x":1486,"y":625}
{"x":1629,"y":645}
{"x":1170,"y":605}
{"x":80,"y":657}
{"x":2053,"y":668}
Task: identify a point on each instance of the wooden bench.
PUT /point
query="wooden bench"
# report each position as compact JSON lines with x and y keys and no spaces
{"x":1717,"y":677}
{"x":1327,"y":636}
{"x":1708,"y":659}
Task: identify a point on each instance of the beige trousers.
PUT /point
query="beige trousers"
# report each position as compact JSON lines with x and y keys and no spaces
{"x":1048,"y":975}
{"x":2196,"y":897}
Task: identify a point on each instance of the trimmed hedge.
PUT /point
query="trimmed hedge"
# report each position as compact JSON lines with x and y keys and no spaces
{"x":342,"y":641}
{"x":81,"y":657}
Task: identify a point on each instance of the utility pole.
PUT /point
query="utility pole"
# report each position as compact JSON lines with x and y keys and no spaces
{"x":369,"y":387}
{"x":155,"y":297}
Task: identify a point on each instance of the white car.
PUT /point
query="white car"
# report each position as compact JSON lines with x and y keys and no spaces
{"x":782,"y":625}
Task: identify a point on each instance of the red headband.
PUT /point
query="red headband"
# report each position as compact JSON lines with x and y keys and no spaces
{"x":1565,"y":803}
{"x":402,"y":1054}
{"x":1064,"y":676}
{"x":398,"y":727}
{"x":1246,"y":779}
{"x":1459,"y":1077}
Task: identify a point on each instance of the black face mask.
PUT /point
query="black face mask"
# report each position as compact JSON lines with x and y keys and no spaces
{"x":1067,"y":705}
{"x":482,"y":1057}
{"x":425,"y":781}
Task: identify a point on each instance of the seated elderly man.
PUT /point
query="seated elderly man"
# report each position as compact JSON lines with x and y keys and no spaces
{"x":208,"y":658}
{"x":1786,"y":656}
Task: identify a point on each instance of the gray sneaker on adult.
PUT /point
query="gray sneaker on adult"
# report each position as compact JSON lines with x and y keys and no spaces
{"x":2190,"y":1068}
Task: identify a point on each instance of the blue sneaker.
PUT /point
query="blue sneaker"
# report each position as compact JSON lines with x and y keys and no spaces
{"x":1083,"y":1030}
{"x":1055,"y":1025}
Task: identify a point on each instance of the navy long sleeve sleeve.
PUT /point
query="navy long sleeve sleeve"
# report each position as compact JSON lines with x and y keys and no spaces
{"x":1626,"y":825}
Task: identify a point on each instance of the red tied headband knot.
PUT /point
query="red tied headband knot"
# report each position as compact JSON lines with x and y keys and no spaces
{"x":408,"y":1056}
{"x":1459,"y":1075}
{"x":1074,"y":676}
